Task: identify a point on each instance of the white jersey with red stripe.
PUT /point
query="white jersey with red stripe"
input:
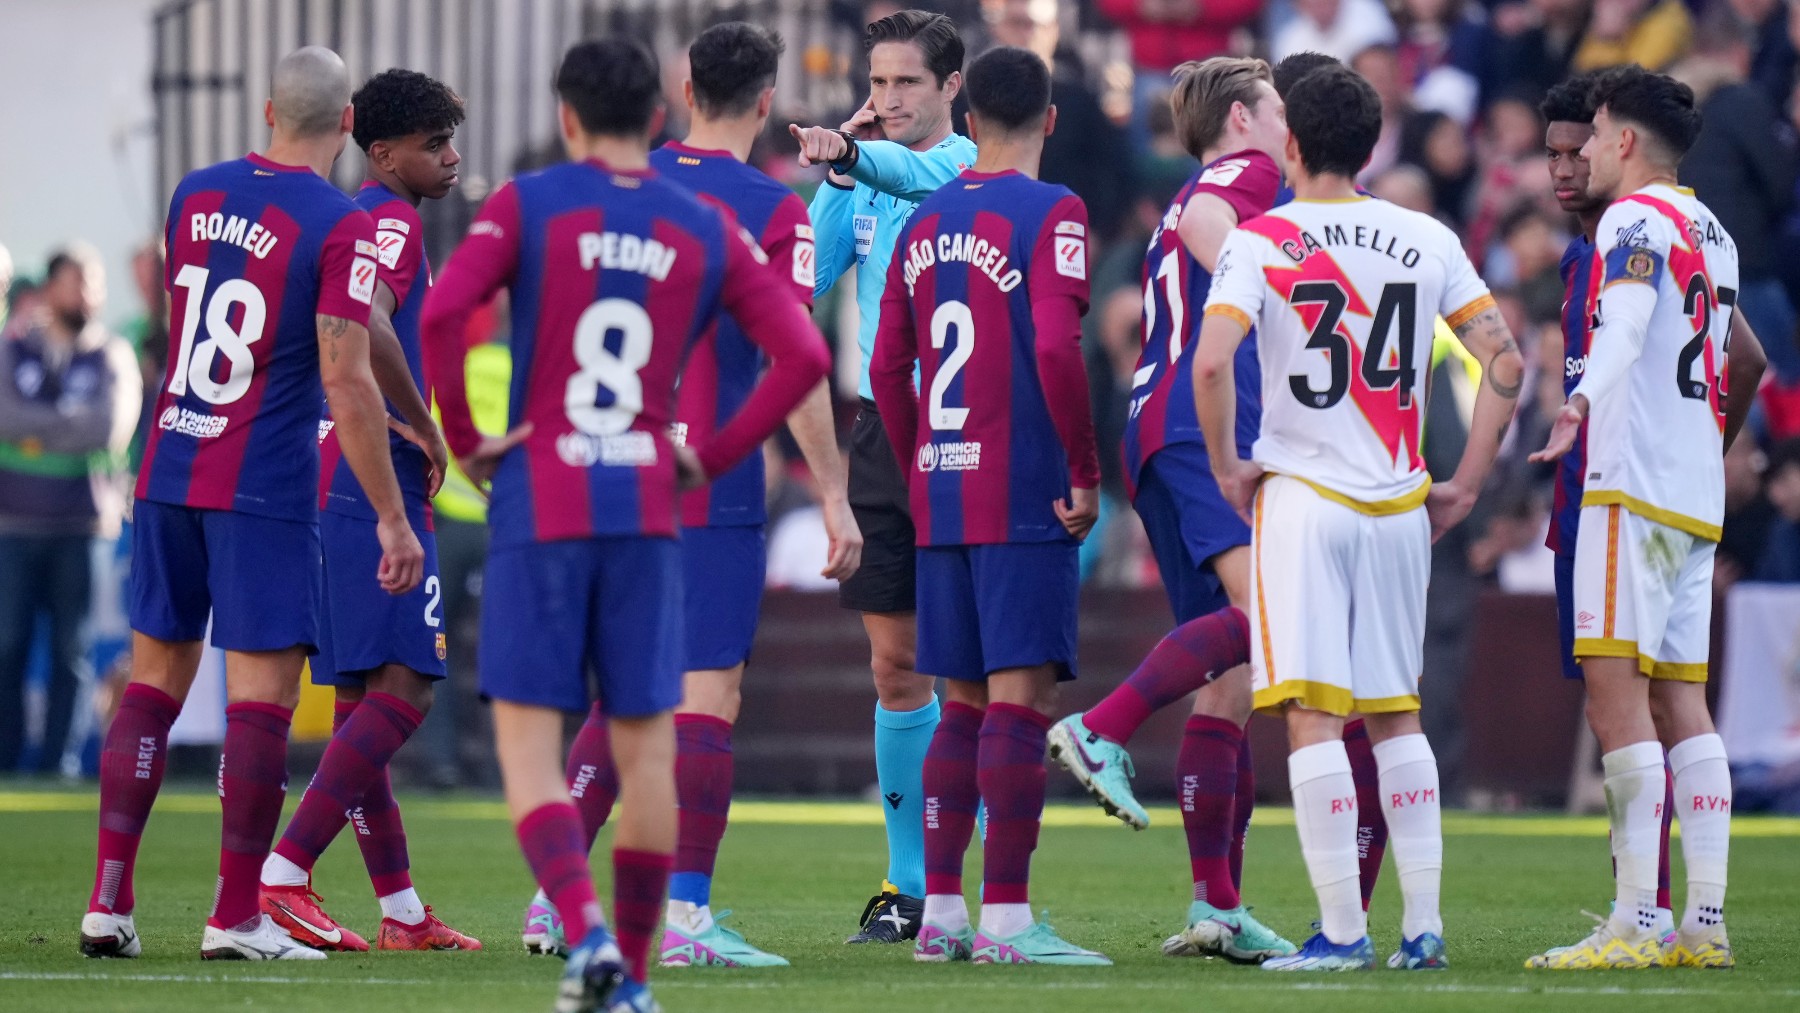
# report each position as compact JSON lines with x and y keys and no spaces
{"x":1656,"y":366}
{"x":1344,"y":297}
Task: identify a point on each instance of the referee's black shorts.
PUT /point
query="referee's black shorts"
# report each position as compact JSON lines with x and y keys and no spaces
{"x":885,"y":581}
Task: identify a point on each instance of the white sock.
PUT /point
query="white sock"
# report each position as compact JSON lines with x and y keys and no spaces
{"x":1325,"y":812}
{"x":947,"y":911}
{"x":1703,"y":804}
{"x":692,"y":919}
{"x":1635,"y":788}
{"x":278,"y":871}
{"x":999,"y":921}
{"x":404,"y":907}
{"x":1409,"y":800}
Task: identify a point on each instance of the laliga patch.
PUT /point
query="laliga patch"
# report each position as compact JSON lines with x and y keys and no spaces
{"x":388,"y":247}
{"x":1224,"y":173}
{"x":804,"y":266}
{"x":394,"y":225}
{"x":362,"y":280}
{"x":1071,"y":257}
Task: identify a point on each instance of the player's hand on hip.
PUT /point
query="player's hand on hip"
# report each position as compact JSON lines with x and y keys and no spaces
{"x":480,"y":464}
{"x":402,"y":557}
{"x":1562,"y":433}
{"x":437,"y":455}
{"x":1447,"y":504}
{"x":689,"y":473}
{"x":819,"y":145}
{"x":865,"y":123}
{"x":1237,"y":481}
{"x":845,"y":538}
{"x":1079,"y":512}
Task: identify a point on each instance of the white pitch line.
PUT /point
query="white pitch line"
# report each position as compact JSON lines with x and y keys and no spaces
{"x":1016,"y":984}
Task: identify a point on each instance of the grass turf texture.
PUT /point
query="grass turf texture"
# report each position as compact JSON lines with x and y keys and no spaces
{"x":798,"y":874}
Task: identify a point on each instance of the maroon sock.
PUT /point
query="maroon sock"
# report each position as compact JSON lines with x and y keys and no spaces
{"x":1206,"y":778}
{"x":1371,"y":824}
{"x":1244,"y":806}
{"x":1191,"y":656}
{"x":951,"y":796}
{"x":252,"y":786}
{"x":593,"y":780}
{"x":354,"y":765}
{"x":1662,"y":866}
{"x":703,"y":774}
{"x":379,"y":832}
{"x":131,"y":773}
{"x":640,"y":882}
{"x":550,"y":836}
{"x":1010,"y":774}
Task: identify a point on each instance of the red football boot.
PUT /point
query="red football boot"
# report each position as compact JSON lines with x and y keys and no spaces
{"x":430,"y":934}
{"x":296,"y":909}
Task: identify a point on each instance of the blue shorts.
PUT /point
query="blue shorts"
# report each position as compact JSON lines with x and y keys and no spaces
{"x":363,"y":626}
{"x":551,"y":611}
{"x":1565,"y":615}
{"x":722,"y":586}
{"x":1188,"y":522}
{"x":983,"y":608}
{"x":257,"y":577}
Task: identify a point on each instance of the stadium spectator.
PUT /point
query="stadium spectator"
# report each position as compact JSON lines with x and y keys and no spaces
{"x":1407,"y":186}
{"x":1744,"y":170}
{"x":1509,"y":156}
{"x":1380,"y":65}
{"x":1440,"y":39}
{"x":69,"y":398}
{"x":1649,"y":33}
{"x":1535,"y":42}
{"x":1438,"y":146}
{"x":1772,"y":62}
{"x":1748,"y":515}
{"x":1339,"y":28}
{"x":1166,"y":33}
{"x":1780,"y":556}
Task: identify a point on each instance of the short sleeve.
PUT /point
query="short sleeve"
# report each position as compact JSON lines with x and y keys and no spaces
{"x":1248,"y":181}
{"x":399,"y":239}
{"x":1465,"y":295}
{"x":1059,"y":259}
{"x":1634,"y":244}
{"x":347,"y":266}
{"x":1238,"y":289}
{"x":788,"y":240}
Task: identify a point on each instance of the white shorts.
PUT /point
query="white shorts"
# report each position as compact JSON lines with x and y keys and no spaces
{"x":1643,"y":590}
{"x":1337,"y":618}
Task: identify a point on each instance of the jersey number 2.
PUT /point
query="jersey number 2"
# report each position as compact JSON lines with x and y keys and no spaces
{"x":194,"y":362}
{"x":952,"y":314}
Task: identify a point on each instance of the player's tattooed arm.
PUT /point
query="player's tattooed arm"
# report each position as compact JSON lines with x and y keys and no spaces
{"x":1487,"y":337}
{"x":1487,"y":332}
{"x":331,"y":333}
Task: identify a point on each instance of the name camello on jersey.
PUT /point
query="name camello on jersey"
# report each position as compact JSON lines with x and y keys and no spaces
{"x":1371,"y":239}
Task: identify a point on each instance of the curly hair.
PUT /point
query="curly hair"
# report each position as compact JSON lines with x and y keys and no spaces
{"x":399,"y":103}
{"x":1572,"y":101}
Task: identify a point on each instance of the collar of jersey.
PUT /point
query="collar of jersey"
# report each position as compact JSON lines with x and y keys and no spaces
{"x":974,"y":174}
{"x":262,"y":162}
{"x":688,"y":149}
{"x":603,"y":167}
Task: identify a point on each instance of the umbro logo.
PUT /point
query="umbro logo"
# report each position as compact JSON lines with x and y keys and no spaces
{"x":894,"y":799}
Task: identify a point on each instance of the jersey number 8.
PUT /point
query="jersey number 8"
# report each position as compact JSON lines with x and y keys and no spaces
{"x":602,"y":369}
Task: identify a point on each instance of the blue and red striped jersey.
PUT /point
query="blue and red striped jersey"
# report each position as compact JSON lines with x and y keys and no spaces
{"x":1581,"y":301}
{"x":985,"y":292}
{"x":1175,"y":288}
{"x":400,"y":264}
{"x":255,"y":250}
{"x":614,"y":275}
{"x":724,"y":364}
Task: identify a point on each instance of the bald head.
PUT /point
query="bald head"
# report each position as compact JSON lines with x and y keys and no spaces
{"x":309,"y":91}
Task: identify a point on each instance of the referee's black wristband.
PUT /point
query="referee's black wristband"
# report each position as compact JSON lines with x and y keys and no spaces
{"x":843,"y":165}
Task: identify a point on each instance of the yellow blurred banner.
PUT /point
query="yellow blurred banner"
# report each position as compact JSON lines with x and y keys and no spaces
{"x":312,"y":718}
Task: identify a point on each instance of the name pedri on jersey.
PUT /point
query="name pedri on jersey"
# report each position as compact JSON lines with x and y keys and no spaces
{"x":255,"y":251}
{"x":402,"y":267}
{"x":1343,"y":295}
{"x":724,"y":364}
{"x":1175,"y":290}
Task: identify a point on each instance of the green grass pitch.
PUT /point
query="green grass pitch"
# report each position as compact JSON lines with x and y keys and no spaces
{"x":797,"y":875}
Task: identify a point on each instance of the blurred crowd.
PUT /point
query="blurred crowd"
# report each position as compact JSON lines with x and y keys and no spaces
{"x":1460,"y":81}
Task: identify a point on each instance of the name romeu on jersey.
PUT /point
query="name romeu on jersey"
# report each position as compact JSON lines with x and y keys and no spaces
{"x":255,"y":250}
{"x":1175,"y":289}
{"x":985,"y":293}
{"x":1343,"y":294}
{"x":614,"y":276}
{"x":1655,"y":369}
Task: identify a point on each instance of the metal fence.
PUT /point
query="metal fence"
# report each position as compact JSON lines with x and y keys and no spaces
{"x":213,"y":59}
